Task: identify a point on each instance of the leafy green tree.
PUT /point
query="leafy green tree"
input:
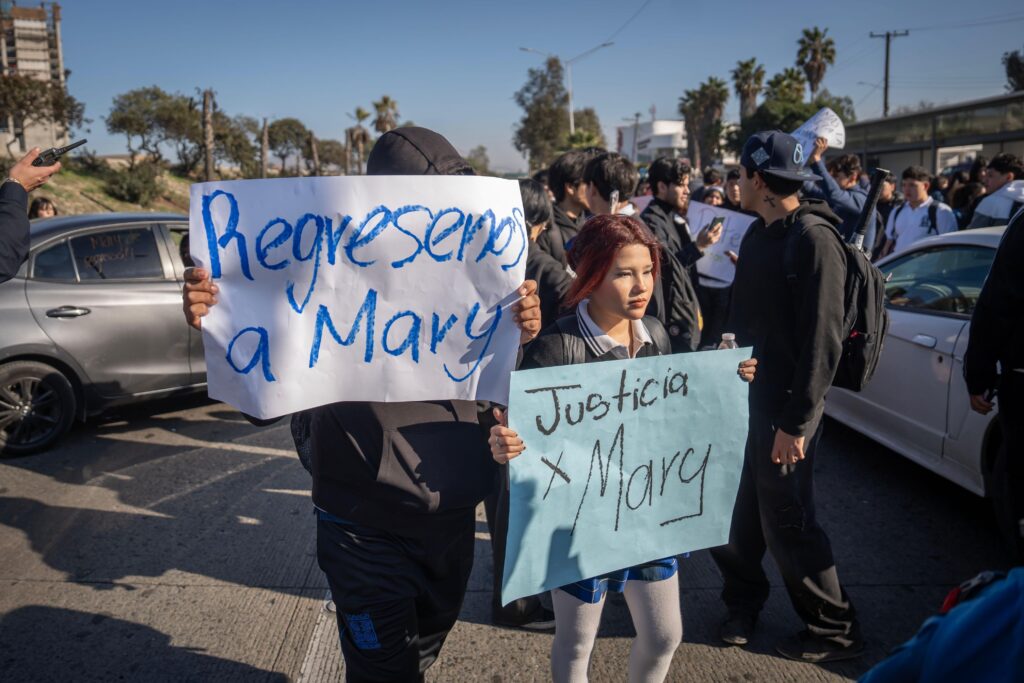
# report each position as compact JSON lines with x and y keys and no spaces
{"x":815,"y":54}
{"x":287,"y":137}
{"x":544,"y":127}
{"x":1013,"y":62}
{"x":27,"y":101}
{"x":235,"y":142}
{"x":588,"y":130}
{"x":332,"y":154}
{"x":135,"y":114}
{"x":479,"y":160}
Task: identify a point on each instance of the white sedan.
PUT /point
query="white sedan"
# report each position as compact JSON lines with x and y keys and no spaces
{"x":917,"y":402}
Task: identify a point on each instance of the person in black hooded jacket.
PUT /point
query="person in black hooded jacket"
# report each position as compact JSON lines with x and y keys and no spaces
{"x":796,"y":329}
{"x":550,"y":274}
{"x":676,"y":303}
{"x":395,"y":485}
{"x":565,"y":180}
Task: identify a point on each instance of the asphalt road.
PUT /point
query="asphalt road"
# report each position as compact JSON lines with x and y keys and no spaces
{"x":175,"y":542}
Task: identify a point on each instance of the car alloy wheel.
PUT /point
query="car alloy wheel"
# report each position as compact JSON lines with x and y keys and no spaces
{"x":37,"y":405}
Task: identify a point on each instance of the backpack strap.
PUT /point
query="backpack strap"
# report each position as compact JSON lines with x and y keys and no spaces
{"x":574,"y":350}
{"x":933,"y":225}
{"x":658,"y":335}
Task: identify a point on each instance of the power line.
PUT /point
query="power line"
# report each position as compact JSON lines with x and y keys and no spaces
{"x":629,"y":21}
{"x":985,"y":21}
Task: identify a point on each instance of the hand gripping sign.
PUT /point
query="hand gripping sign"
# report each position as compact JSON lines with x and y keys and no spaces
{"x":381,"y":288}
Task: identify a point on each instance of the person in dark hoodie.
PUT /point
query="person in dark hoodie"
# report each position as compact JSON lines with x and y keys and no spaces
{"x":550,"y":274}
{"x":994,"y":365}
{"x":395,"y":485}
{"x":565,"y":180}
{"x":796,"y":330}
{"x":675,"y":302}
{"x":838,"y":185}
{"x":14,"y":225}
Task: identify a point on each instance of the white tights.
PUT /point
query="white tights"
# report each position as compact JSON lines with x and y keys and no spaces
{"x":654,"y":607}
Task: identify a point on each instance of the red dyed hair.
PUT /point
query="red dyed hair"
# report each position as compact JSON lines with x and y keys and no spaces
{"x":595,"y":246}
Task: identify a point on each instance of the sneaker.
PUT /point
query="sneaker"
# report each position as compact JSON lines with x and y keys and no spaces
{"x":738,"y":628}
{"x":542,"y":620}
{"x":807,"y":647}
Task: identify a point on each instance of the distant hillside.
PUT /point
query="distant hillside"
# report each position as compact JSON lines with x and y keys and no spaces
{"x":76,"y":191}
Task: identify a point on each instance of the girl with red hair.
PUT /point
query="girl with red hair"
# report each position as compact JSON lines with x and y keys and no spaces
{"x":616,"y":260}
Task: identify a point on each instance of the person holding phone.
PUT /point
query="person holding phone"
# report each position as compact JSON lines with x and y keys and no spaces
{"x":616,"y":261}
{"x":24,"y":177}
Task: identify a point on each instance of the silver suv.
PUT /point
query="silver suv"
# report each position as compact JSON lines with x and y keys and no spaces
{"x":93,"y":319}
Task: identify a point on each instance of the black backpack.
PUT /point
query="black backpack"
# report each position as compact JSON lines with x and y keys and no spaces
{"x":865,"y":320}
{"x":933,"y":211}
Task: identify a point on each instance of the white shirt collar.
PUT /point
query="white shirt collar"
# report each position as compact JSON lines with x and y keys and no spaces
{"x":600,"y":343}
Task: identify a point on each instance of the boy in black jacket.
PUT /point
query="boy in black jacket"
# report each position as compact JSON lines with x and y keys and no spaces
{"x":395,"y":485}
{"x":796,"y":330}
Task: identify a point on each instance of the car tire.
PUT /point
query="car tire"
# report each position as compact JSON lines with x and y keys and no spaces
{"x":37,"y":406}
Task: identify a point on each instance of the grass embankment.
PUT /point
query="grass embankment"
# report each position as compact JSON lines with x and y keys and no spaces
{"x":76,"y":191}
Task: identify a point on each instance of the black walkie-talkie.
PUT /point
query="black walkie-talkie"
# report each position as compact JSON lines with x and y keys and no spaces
{"x":48,"y":157}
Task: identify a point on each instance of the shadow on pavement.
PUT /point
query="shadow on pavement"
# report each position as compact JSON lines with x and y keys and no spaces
{"x":49,"y":644}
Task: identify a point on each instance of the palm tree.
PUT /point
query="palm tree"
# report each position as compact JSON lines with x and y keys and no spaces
{"x":787,"y":85}
{"x":358,"y":138}
{"x":387,"y":114}
{"x":748,"y":80}
{"x":690,"y":107}
{"x":817,"y":52}
{"x":714,"y":95}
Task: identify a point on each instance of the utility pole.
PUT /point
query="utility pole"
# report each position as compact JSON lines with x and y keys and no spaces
{"x":568,"y":74}
{"x":636,"y":132}
{"x":208,"y":133}
{"x":888,"y":35}
{"x":264,"y":149}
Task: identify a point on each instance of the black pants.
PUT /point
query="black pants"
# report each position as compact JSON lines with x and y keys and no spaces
{"x":714,"y":309}
{"x":1007,"y":480}
{"x":775,"y":511}
{"x":397,"y":595}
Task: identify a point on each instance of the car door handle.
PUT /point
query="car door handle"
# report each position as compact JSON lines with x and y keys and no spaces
{"x":67,"y":312}
{"x":924,"y":340}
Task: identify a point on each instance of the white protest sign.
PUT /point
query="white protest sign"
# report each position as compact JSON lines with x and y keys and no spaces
{"x":715,"y":267}
{"x":379,"y":288}
{"x":825,"y":124}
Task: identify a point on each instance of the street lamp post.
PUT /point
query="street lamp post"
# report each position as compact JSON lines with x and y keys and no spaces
{"x":568,"y":73}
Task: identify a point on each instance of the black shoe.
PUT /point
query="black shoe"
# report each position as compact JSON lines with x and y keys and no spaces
{"x":541,"y":620}
{"x":738,"y":628}
{"x":807,"y":647}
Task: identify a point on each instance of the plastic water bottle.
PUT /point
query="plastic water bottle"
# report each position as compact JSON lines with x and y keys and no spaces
{"x":728,"y":341}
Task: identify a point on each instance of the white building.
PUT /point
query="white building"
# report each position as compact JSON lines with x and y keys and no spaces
{"x":653,"y":139}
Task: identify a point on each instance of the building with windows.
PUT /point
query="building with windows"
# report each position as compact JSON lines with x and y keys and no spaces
{"x":645,"y":141}
{"x":941,"y":137}
{"x":30,"y":45}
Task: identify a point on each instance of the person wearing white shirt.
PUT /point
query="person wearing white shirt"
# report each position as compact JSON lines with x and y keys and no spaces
{"x":920,"y":216}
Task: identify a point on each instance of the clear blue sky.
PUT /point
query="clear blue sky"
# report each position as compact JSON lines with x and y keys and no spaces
{"x":454,"y":66}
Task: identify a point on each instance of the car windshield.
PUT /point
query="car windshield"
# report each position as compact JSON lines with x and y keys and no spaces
{"x":941,"y":279}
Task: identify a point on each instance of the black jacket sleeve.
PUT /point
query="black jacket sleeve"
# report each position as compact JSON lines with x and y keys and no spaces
{"x":820,"y":290}
{"x":14,"y":235}
{"x":997,"y":324}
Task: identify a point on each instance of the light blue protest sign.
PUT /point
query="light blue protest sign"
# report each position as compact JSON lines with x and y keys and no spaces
{"x":626,"y":462}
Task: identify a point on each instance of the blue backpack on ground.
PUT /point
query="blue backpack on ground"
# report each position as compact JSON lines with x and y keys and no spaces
{"x":979,"y":637}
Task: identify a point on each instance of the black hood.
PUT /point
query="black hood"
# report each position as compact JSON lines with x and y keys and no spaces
{"x":415,"y":151}
{"x":816,"y":207}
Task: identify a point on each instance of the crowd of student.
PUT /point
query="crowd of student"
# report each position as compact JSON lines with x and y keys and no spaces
{"x":607,"y":281}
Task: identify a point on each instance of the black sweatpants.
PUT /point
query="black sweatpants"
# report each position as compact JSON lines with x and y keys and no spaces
{"x":775,"y":511}
{"x":397,"y":595}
